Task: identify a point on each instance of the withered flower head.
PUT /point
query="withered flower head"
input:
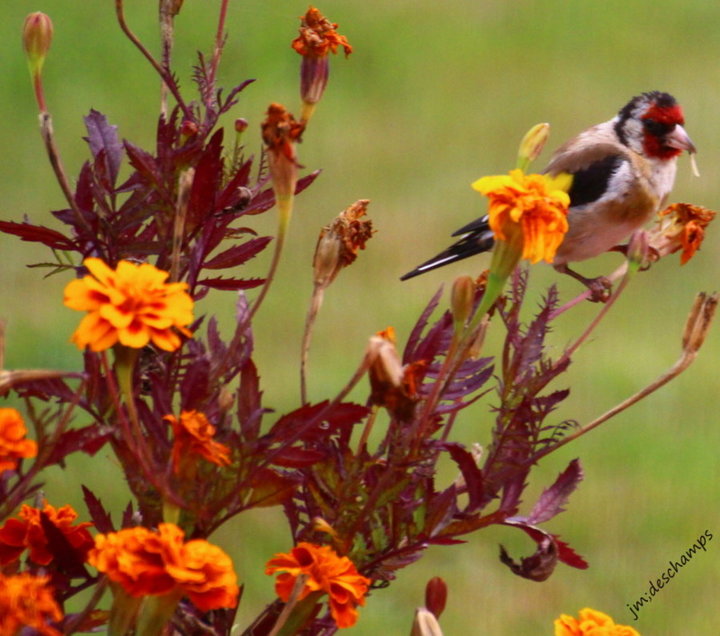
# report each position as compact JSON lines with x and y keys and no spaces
{"x":340,"y":242}
{"x":281,"y":132}
{"x":317,"y":38}
{"x":392,"y":384}
{"x":680,"y":226}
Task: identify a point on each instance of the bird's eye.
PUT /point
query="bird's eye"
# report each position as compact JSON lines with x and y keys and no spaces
{"x":657,"y":128}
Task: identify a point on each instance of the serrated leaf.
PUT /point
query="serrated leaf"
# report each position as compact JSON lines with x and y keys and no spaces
{"x":37,"y":234}
{"x":553,"y":499}
{"x":104,"y":143}
{"x":99,"y":516}
{"x":231,"y":284}
{"x":238,"y":254}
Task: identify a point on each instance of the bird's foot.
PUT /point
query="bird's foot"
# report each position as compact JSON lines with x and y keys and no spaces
{"x":600,"y":287}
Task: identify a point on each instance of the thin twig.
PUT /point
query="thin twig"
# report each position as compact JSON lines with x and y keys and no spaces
{"x":165,"y":75}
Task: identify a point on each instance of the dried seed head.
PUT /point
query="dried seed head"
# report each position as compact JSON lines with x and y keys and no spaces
{"x":699,"y":321}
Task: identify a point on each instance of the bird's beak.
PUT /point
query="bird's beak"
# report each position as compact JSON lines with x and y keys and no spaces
{"x":679,"y":139}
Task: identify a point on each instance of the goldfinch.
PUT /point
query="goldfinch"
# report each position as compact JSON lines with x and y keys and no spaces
{"x":623,"y":171}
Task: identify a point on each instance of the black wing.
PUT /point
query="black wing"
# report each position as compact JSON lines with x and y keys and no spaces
{"x":590,"y":183}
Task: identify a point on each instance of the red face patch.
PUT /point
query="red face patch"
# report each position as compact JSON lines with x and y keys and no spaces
{"x":665,"y":114}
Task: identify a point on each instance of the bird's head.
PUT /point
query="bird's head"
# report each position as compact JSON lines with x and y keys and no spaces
{"x":652,"y":125}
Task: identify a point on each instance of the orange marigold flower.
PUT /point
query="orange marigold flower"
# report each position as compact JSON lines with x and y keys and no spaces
{"x":194,"y":436}
{"x":326,"y":572}
{"x":534,"y":205}
{"x":590,"y":622}
{"x":132,"y":305}
{"x":145,"y":563}
{"x":27,"y":532}
{"x":681,"y":226}
{"x":318,"y":36}
{"x":27,"y":601}
{"x":13,"y":444}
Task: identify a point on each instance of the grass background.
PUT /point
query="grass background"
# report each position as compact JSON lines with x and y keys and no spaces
{"x":435,"y":95}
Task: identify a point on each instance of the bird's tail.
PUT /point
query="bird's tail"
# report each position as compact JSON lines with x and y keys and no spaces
{"x":478,"y":238}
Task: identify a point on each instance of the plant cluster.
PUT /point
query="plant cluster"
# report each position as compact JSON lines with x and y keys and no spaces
{"x":181,"y":404}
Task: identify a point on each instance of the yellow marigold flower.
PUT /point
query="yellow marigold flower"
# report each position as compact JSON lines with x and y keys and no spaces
{"x":27,"y":601}
{"x":534,"y":205}
{"x":590,"y":622}
{"x":13,"y":444}
{"x":132,"y":305}
{"x":326,"y":572}
{"x":194,"y":436}
{"x":28,"y":532}
{"x":144,"y":562}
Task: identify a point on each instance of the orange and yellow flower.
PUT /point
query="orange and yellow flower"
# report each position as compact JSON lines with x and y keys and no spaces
{"x":13,"y":443}
{"x":132,"y":305}
{"x":534,"y":205}
{"x":194,"y":437}
{"x":27,"y":601}
{"x":27,"y":532}
{"x":590,"y":622}
{"x":144,"y":563}
{"x":327,"y":572}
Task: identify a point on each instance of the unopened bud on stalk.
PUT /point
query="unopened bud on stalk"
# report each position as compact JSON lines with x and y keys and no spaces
{"x":241,"y":125}
{"x":436,"y":596}
{"x":462,"y":299}
{"x":532,"y":144}
{"x":37,"y":36}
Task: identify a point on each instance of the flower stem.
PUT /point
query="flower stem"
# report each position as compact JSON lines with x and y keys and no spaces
{"x":285,"y":205}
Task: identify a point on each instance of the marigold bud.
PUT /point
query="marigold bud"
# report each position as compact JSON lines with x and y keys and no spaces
{"x":37,"y":36}
{"x":241,"y":125}
{"x":462,"y":299}
{"x":436,"y":595}
{"x":533,"y":143}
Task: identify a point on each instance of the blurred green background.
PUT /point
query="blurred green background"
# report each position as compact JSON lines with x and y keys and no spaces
{"x":435,"y":95}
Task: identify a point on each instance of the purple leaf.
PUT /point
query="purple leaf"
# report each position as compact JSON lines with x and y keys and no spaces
{"x":100,"y":517}
{"x":471,"y":474}
{"x":553,"y":499}
{"x":103,"y":138}
{"x":238,"y":254}
{"x":231,"y":284}
{"x":37,"y":234}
